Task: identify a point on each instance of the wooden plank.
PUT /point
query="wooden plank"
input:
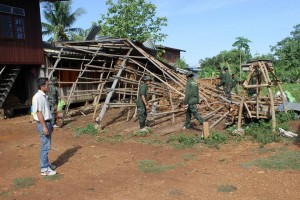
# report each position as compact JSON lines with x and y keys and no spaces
{"x":205,"y":130}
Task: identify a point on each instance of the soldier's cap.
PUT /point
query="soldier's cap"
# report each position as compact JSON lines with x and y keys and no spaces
{"x":189,"y":74}
{"x":225,"y":68}
{"x":147,"y":78}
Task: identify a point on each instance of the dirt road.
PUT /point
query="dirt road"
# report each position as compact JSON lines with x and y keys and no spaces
{"x":92,"y":170}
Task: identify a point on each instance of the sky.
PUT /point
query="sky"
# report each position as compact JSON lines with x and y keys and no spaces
{"x":204,"y":28}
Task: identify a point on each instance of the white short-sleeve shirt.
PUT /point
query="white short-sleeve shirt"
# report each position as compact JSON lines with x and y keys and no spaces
{"x":40,"y":103}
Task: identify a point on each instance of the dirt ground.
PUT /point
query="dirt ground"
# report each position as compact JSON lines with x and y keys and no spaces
{"x":88,"y":169}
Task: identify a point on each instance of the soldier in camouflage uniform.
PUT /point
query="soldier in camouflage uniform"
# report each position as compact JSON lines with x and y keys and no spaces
{"x":227,"y":86}
{"x":234,"y":83}
{"x":53,"y":100}
{"x":191,"y":100}
{"x":142,"y":103}
{"x":221,"y":77}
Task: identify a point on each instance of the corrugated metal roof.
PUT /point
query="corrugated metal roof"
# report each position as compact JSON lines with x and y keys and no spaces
{"x":290,"y":106}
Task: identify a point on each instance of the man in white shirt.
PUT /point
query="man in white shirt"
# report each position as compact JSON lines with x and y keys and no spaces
{"x":42,"y":115}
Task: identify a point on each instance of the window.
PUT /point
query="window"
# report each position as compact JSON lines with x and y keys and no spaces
{"x":12,"y":27}
{"x":5,"y":8}
{"x":19,"y":28}
{"x":6,"y":26}
{"x":12,"y":22}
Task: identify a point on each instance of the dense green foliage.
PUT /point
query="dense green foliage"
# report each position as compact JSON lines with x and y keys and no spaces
{"x":229,"y":59}
{"x":133,"y":19}
{"x":181,"y":63}
{"x":288,"y":53}
{"x":286,"y":58}
{"x":60,"y":20}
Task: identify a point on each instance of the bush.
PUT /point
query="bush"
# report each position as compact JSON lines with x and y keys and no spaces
{"x":88,"y":130}
{"x":215,"y":139}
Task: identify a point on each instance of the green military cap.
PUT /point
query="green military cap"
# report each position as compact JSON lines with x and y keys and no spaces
{"x":147,"y":78}
{"x":189,"y":74}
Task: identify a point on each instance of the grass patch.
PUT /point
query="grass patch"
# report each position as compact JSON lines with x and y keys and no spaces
{"x":54,"y":177}
{"x":149,"y":141}
{"x":112,"y":140}
{"x":215,"y":139}
{"x":6,"y":194}
{"x":23,"y":182}
{"x":293,"y":88}
{"x":261,"y":130}
{"x":183,"y":141}
{"x":150,"y":166}
{"x":282,"y":161}
{"x":188,"y":156}
{"x":143,"y":133}
{"x":227,"y":188}
{"x":175,"y":192}
{"x":87,"y":130}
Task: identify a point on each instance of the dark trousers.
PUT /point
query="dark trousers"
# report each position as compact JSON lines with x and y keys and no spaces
{"x":142,"y":112}
{"x":192,"y":110}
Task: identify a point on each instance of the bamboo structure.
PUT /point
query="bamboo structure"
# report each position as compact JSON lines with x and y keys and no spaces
{"x":261,"y":77}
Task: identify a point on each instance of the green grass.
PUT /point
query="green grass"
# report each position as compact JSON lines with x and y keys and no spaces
{"x":183,"y":141}
{"x":261,"y":130}
{"x":143,"y":133}
{"x":54,"y":178}
{"x":114,"y":139}
{"x":188,"y":156}
{"x":175,"y":192}
{"x":89,"y":129}
{"x":6,"y":194}
{"x":23,"y":182}
{"x":283,"y":161}
{"x":226,"y":188}
{"x":293,"y":88}
{"x":150,"y":166}
{"x":215,"y":139}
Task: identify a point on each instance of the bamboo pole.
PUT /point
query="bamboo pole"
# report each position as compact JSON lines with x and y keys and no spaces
{"x":218,"y":121}
{"x":109,"y":95}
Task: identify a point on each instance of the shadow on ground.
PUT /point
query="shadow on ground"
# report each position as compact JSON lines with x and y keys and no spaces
{"x":63,"y":158}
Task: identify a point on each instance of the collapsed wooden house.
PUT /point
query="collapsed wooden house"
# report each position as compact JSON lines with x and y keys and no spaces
{"x":109,"y":72}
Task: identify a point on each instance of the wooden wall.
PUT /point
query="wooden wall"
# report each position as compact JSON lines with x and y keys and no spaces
{"x":28,"y":51}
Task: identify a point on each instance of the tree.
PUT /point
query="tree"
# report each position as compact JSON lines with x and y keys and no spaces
{"x":181,"y":63}
{"x":288,"y":53}
{"x":60,"y":20}
{"x":242,"y":44}
{"x":133,"y":19}
{"x":229,"y":59}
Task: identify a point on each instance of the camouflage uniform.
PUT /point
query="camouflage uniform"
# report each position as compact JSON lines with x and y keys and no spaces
{"x":53,"y":98}
{"x":222,"y":80}
{"x":141,"y":108}
{"x":191,"y":100}
{"x":227,"y":86}
{"x":234,"y":82}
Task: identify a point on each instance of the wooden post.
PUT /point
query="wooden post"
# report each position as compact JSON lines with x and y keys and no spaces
{"x":205,"y":130}
{"x":109,"y":95}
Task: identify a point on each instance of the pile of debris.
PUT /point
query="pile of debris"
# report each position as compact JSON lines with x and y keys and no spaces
{"x":110,"y":71}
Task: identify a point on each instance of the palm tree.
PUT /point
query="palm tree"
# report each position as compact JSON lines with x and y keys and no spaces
{"x":60,"y":19}
{"x":242,"y":44}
